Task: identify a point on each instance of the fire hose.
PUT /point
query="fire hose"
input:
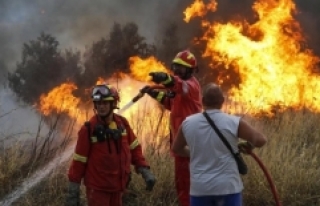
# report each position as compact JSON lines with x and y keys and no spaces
{"x":267,"y":175}
{"x":250,"y":152}
{"x":137,"y":97}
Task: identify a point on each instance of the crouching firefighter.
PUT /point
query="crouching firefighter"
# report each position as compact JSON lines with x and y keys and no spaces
{"x":105,"y":149}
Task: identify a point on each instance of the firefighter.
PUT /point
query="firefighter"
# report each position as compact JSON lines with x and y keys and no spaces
{"x":182,"y":98}
{"x":105,"y":149}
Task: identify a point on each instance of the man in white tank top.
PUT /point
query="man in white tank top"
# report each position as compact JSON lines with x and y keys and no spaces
{"x":214,"y":176}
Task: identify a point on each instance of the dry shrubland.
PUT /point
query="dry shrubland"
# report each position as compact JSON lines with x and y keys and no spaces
{"x":290,"y":156}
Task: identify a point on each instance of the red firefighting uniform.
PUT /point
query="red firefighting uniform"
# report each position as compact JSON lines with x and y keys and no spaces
{"x":187,"y":101}
{"x":105,"y":166}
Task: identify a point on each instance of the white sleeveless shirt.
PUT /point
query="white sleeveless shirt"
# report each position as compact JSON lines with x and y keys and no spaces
{"x":213,"y":169}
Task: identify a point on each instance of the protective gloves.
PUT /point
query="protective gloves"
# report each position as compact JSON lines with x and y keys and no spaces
{"x":73,"y":196}
{"x":148,"y":177}
{"x":146,"y":90}
{"x":159,"y":77}
{"x":162,"y":78}
{"x":245,"y":147}
{"x":151,"y":92}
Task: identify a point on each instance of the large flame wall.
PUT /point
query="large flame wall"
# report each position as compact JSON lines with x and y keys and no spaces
{"x":274,"y":69}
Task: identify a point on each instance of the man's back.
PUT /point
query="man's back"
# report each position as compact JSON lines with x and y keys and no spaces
{"x":212,"y":167}
{"x":214,"y":175}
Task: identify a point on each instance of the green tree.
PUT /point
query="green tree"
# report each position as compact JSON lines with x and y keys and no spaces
{"x":42,"y":68}
{"x":71,"y":67}
{"x":111,"y":54}
{"x":94,"y":63}
{"x":125,"y":42}
{"x":169,"y":45}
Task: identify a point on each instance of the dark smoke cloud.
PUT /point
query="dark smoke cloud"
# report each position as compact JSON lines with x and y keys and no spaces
{"x":75,"y":23}
{"x":309,"y":17}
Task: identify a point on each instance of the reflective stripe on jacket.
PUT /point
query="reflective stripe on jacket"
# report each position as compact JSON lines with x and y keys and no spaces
{"x":99,"y":164}
{"x":187,"y":101}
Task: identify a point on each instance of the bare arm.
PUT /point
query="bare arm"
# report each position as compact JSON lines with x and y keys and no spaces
{"x":247,"y":132}
{"x":180,"y":146}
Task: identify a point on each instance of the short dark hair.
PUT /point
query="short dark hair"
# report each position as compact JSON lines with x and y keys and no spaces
{"x":212,"y":96}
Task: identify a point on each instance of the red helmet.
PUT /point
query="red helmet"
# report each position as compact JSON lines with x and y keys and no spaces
{"x":185,"y":58}
{"x":105,"y":92}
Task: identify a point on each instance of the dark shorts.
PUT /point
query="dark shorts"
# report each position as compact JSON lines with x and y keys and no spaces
{"x":217,"y":200}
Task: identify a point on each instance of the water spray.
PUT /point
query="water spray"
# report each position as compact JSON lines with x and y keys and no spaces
{"x":129,"y":104}
{"x":45,"y":171}
{"x":136,"y":98}
{"x":37,"y":177}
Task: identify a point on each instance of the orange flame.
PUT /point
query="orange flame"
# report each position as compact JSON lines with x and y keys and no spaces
{"x":60,"y":99}
{"x":273,"y":68}
{"x":140,"y":68}
{"x":100,"y":81}
{"x":198,"y":8}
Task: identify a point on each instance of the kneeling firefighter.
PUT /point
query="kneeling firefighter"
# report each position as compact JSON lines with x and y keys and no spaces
{"x":105,"y":149}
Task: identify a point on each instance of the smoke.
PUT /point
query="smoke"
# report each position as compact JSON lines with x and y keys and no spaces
{"x":75,"y":23}
{"x":309,"y":17}
{"x":18,"y":121}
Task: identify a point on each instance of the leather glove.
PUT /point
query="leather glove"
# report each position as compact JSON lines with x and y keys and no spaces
{"x":148,"y":177}
{"x":73,"y":196}
{"x":245,"y":147}
{"x":159,"y":77}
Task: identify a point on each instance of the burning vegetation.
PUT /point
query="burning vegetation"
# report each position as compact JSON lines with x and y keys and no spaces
{"x":263,"y":63}
{"x":273,"y":67}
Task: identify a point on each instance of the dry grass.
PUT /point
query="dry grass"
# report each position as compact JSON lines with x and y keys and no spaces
{"x":23,"y":158}
{"x":290,"y":156}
